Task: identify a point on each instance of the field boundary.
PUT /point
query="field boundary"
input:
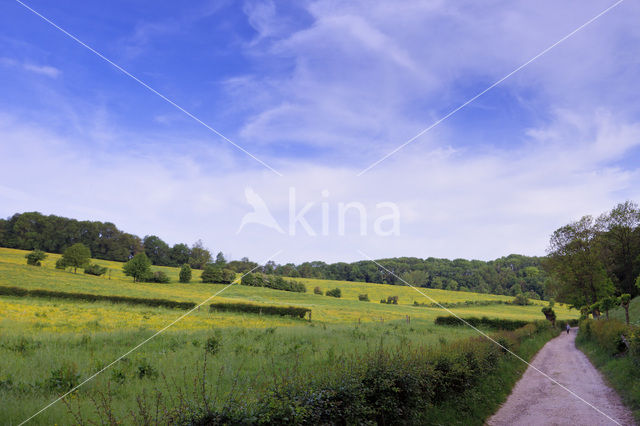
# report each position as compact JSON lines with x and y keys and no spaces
{"x":88,"y":297}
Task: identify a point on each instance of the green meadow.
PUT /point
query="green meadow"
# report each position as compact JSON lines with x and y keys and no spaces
{"x":47,"y":346}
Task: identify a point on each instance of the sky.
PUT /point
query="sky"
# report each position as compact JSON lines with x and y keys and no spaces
{"x":280,"y":106}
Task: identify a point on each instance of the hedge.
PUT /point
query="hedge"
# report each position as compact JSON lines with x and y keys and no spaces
{"x":22,"y":292}
{"x":499,"y":323}
{"x":291,"y":311}
{"x":273,"y":281}
{"x":384,"y":386}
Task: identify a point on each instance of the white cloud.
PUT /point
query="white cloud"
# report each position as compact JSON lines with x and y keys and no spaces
{"x":46,"y":70}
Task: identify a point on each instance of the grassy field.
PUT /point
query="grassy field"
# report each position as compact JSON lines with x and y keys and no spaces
{"x":46,"y":346}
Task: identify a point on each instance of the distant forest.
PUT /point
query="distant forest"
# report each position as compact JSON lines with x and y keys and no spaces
{"x":509,"y":275}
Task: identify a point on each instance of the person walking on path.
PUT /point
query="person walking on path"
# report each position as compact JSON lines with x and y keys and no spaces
{"x":568,"y":328}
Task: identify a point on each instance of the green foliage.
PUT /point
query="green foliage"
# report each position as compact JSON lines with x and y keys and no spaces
{"x":95,"y":269}
{"x":199,"y":256}
{"x":63,"y":379}
{"x":21,"y":292}
{"x":336,"y":292}
{"x":274,"y":282}
{"x":212,"y":345}
{"x":363,"y":297}
{"x":608,"y":303}
{"x":157,"y":250}
{"x":76,"y":256}
{"x":139,"y":267}
{"x":498,"y":323}
{"x":317,"y":290}
{"x":393,"y":300}
{"x":157,"y":277}
{"x":185,"y":273}
{"x":35,"y":258}
{"x":60,"y":264}
{"x":521,"y":299}
{"x":379,"y":387}
{"x":213,"y":273}
{"x":145,"y":369}
{"x":291,"y":311}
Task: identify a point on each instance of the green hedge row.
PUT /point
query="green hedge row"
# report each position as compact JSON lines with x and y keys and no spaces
{"x":22,"y":292}
{"x":291,"y":311}
{"x":465,"y":303}
{"x":499,"y":323}
{"x":384,"y":386}
{"x":273,"y":281}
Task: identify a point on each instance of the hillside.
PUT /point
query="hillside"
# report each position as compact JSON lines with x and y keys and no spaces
{"x":14,"y":272}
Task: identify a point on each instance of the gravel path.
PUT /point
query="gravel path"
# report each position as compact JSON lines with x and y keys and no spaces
{"x":536,"y":400}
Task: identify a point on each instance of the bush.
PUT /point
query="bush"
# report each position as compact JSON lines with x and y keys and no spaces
{"x":185,"y":273}
{"x":218,"y":275}
{"x":392,"y":300}
{"x":138,"y":267}
{"x":521,"y":299}
{"x":157,"y":277}
{"x":318,"y":290}
{"x":212,"y":346}
{"x":379,"y":387}
{"x":607,"y":334}
{"x":61,"y":264}
{"x":336,"y":292}
{"x":499,"y":323}
{"x":273,"y":281}
{"x":21,"y":292}
{"x":291,"y":311}
{"x":36,"y":257}
{"x":63,"y":379}
{"x":95,"y":269}
{"x":363,"y":297}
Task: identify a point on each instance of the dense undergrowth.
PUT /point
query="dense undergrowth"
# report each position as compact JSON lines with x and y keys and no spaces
{"x":603,"y":342}
{"x":462,"y":382}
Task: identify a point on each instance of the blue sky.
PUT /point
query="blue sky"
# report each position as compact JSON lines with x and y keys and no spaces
{"x":319,"y":90}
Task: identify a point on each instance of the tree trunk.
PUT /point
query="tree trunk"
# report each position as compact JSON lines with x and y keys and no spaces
{"x":626,"y":313}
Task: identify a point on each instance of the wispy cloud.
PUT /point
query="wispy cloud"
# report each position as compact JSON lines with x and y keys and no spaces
{"x":46,"y":70}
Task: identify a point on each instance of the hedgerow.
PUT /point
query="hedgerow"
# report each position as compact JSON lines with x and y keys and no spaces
{"x":385,"y":386}
{"x":291,"y":311}
{"x":499,"y":323}
{"x":22,"y":292}
{"x":273,"y":281}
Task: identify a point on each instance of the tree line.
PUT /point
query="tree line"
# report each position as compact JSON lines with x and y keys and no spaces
{"x":54,"y":234}
{"x":510,"y":275}
{"x":594,"y":259}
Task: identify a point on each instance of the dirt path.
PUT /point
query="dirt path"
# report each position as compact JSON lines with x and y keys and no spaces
{"x":536,"y":400}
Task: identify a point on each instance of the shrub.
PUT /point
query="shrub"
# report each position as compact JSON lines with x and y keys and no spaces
{"x":138,"y":267}
{"x":145,"y":369}
{"x":607,"y":334}
{"x":63,"y":379}
{"x":318,"y":290}
{"x":392,"y":300}
{"x":157,"y":277}
{"x":216,"y":274}
{"x":521,"y":299}
{"x":336,"y":292}
{"x":95,"y":269}
{"x":499,"y":323}
{"x":21,"y":292}
{"x":363,"y":297}
{"x":185,"y":273}
{"x":260,"y":309}
{"x":378,"y":387}
{"x":212,"y":346}
{"x":36,"y":257}
{"x":273,"y":281}
{"x":60,"y":263}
